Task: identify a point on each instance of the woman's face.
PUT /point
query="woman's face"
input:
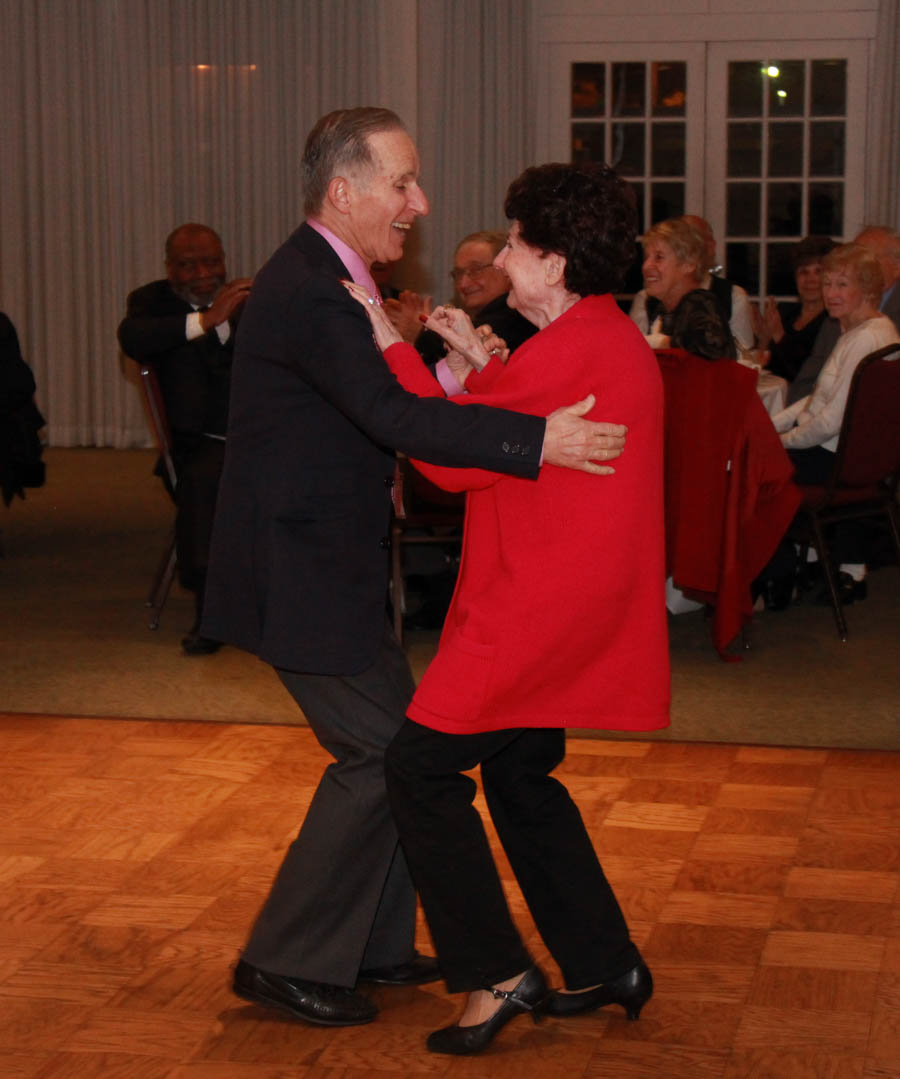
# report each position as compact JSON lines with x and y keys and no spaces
{"x":809,"y":282}
{"x":665,"y":277}
{"x":844,"y":299}
{"x":529,"y":293}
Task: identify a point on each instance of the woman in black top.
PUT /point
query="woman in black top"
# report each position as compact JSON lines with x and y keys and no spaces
{"x":789,"y":330}
{"x":680,"y":314}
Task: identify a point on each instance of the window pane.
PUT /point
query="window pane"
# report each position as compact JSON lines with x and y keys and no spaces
{"x":627,"y":152}
{"x":742,"y":214}
{"x":667,"y":153}
{"x":668,"y":88}
{"x":780,"y":270}
{"x":744,"y":149}
{"x":744,"y":88}
{"x":628,"y":96}
{"x":742,"y":265}
{"x":785,"y":204}
{"x":786,"y":149}
{"x":638,"y":190}
{"x":786,"y":91}
{"x":588,"y":142}
{"x":826,"y":209}
{"x":826,"y":148}
{"x":666,"y":200}
{"x":828,"y":88}
{"x":588,"y":89}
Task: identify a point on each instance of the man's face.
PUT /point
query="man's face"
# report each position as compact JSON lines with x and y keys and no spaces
{"x":385,"y":199}
{"x":196,"y":267}
{"x":881,"y":246}
{"x":477,"y":280}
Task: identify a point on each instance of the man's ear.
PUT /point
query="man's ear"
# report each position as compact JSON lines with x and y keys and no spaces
{"x":339,"y":194}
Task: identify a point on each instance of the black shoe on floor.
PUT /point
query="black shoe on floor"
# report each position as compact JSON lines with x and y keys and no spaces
{"x":195,"y":645}
{"x":848,"y":589}
{"x":315,"y":1002}
{"x":528,"y":996}
{"x":632,"y":990}
{"x":417,"y":971}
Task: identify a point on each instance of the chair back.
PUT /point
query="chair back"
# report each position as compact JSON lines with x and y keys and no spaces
{"x":159,"y":423}
{"x":869,"y":444}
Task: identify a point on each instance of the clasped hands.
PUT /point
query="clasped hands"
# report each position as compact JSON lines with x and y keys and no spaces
{"x":569,"y":440}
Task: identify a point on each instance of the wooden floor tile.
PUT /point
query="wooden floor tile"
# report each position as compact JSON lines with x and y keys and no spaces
{"x":834,"y":951}
{"x":796,"y":1029}
{"x":776,"y":1064}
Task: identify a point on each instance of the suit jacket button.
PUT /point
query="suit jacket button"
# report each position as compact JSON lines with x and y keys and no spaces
{"x":389,"y":481}
{"x":384,"y":543}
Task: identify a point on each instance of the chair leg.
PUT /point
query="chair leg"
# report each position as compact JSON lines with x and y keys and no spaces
{"x":398,"y":597}
{"x":830,"y":578}
{"x":162,"y":582}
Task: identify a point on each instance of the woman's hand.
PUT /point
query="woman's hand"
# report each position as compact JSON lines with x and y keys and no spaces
{"x":772,"y":318}
{"x":457,"y":330}
{"x":383,"y":329}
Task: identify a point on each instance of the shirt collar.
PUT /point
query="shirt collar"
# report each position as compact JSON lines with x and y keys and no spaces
{"x":354,"y":262}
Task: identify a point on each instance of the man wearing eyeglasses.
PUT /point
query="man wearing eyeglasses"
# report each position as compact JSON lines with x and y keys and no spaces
{"x":482,"y":288}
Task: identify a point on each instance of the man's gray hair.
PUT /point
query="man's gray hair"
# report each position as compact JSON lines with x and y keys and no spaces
{"x":337,"y":144}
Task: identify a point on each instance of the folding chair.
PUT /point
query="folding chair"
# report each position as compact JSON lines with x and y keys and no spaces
{"x":866,"y":470}
{"x":159,"y":424}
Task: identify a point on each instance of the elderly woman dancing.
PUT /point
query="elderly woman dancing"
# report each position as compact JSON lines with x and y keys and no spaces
{"x":558,"y":621}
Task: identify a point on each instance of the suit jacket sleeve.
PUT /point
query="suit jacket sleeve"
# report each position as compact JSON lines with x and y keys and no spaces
{"x":153,"y":324}
{"x":330,"y":342}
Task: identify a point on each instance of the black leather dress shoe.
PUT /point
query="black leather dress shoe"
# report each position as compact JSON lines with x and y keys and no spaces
{"x":848,"y":589}
{"x":314,"y":1002}
{"x":195,"y":645}
{"x":632,"y":990}
{"x":419,"y":970}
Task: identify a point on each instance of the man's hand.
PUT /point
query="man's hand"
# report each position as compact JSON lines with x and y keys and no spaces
{"x":572,"y":442}
{"x":228,"y":299}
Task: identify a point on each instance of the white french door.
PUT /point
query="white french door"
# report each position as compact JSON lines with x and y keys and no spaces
{"x":785,"y":152}
{"x":764,"y":139}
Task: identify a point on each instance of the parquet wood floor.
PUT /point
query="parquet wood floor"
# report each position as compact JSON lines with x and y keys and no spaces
{"x":761,"y":883}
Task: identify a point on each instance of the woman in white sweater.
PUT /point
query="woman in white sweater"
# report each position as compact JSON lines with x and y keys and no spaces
{"x":809,"y":428}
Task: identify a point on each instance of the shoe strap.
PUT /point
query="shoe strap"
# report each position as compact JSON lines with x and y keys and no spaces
{"x":510,"y":995}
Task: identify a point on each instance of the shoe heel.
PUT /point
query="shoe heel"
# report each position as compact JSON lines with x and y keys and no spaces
{"x":633,"y":1011}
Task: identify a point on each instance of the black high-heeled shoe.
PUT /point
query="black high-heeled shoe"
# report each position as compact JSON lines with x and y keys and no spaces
{"x":528,"y":996}
{"x":632,"y":990}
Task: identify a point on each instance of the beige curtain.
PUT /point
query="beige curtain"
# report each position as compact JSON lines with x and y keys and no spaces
{"x":124,"y":118}
{"x":884,"y":134}
{"x":476,"y":117}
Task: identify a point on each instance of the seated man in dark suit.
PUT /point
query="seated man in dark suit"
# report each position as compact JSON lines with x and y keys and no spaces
{"x":183,"y":326}
{"x":481,"y":290}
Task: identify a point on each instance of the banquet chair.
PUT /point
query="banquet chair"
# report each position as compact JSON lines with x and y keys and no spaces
{"x":866,"y":469}
{"x":159,"y":425}
{"x":423,"y":514}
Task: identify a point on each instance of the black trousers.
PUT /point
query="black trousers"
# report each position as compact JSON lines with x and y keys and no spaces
{"x":846,"y":539}
{"x":543,"y":836}
{"x":199,"y":470}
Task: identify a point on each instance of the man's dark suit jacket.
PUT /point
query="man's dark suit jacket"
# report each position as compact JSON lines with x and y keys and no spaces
{"x":299,"y":563}
{"x":194,"y":376}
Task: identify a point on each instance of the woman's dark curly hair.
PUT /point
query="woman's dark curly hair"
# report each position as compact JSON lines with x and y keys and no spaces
{"x":584,"y":212}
